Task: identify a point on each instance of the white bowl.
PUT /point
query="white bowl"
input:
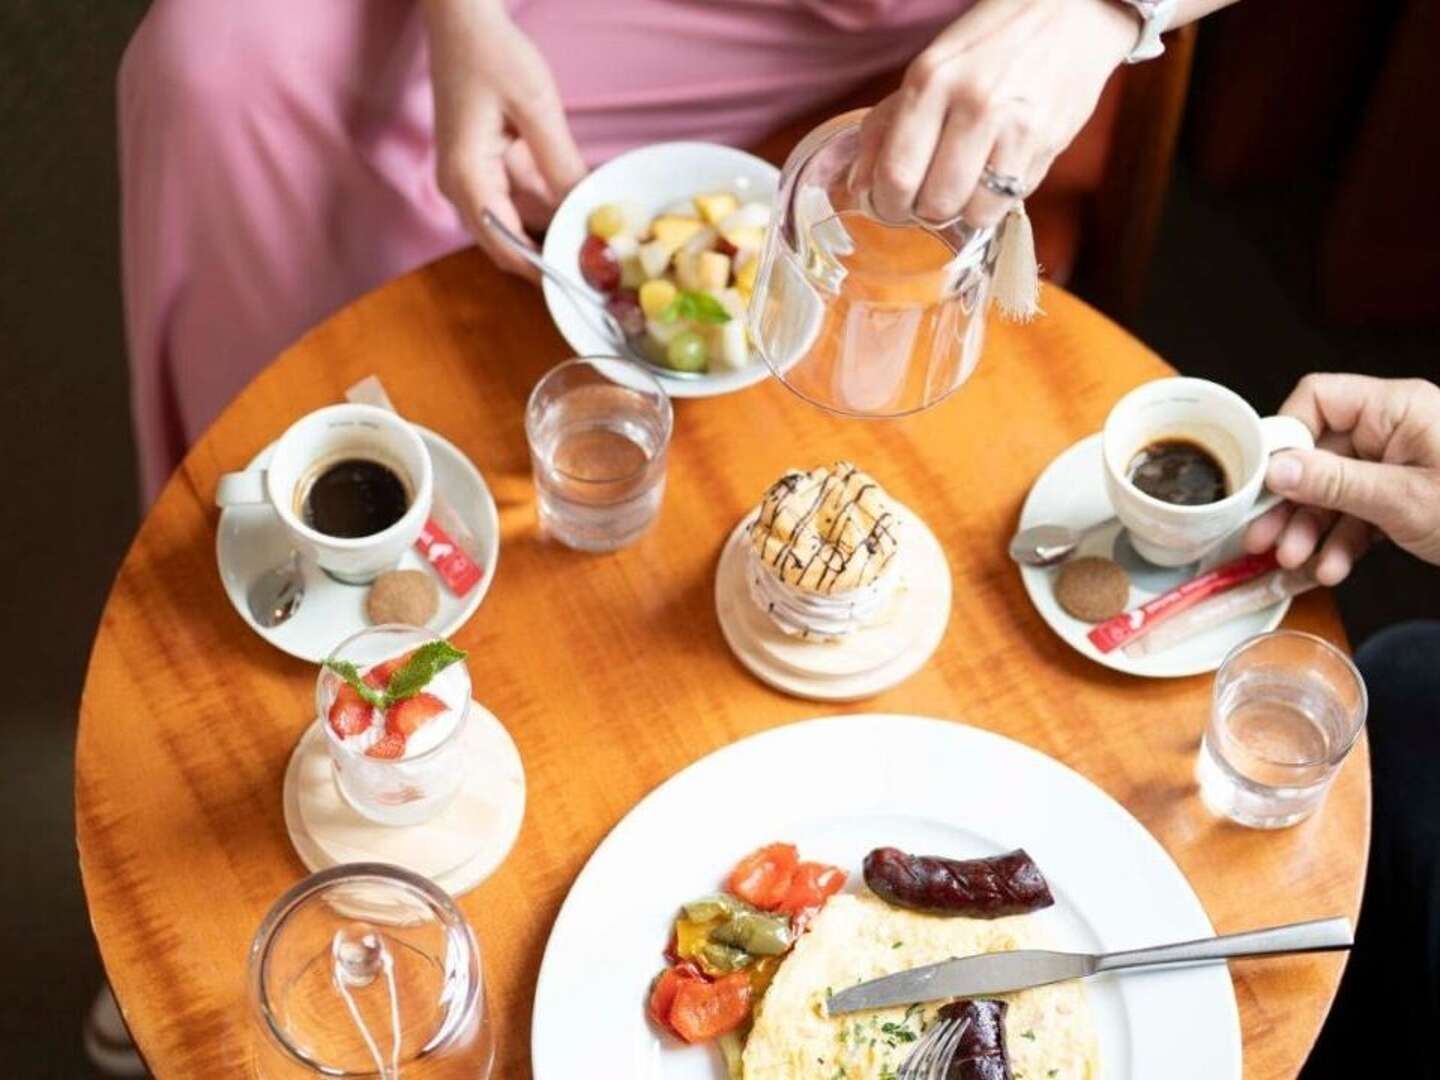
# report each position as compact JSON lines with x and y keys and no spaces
{"x":652,"y":176}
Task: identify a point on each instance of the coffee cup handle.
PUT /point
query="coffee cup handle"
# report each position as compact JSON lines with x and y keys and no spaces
{"x":1279,"y":433}
{"x":241,"y":488}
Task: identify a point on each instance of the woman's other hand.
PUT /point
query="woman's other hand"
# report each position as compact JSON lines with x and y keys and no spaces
{"x":500,"y":128}
{"x":1376,"y":466}
{"x":1009,"y":84}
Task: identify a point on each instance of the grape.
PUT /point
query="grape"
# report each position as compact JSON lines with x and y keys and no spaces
{"x":598,"y":265}
{"x":625,"y":306}
{"x":687,"y":352}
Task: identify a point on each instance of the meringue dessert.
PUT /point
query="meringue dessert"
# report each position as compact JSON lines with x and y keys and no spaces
{"x":821,"y":560}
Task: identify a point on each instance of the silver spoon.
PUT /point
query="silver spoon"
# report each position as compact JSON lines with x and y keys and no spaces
{"x":276,"y":594}
{"x":588,"y":303}
{"x":1046,"y":545}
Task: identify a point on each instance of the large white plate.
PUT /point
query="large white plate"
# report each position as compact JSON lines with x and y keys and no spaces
{"x":838,"y":787}
{"x":251,"y":540}
{"x":1071,"y":491}
{"x":653,"y":176}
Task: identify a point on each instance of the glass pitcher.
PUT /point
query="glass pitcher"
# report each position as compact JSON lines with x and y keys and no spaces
{"x":368,"y":970}
{"x":857,"y":316}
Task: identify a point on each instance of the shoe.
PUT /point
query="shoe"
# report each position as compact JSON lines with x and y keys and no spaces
{"x":107,"y":1040}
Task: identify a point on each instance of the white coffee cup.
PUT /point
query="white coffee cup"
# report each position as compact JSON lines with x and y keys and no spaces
{"x":1223,"y":423}
{"x":310,"y":446}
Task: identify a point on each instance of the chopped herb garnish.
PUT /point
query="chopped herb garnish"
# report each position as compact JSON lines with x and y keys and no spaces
{"x":424,"y":664}
{"x":897,"y":944}
{"x":1028,"y":1035}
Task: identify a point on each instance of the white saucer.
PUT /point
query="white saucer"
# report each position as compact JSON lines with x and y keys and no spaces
{"x":250,"y":540}
{"x":860,"y":665}
{"x":457,"y":850}
{"x":1071,"y":491}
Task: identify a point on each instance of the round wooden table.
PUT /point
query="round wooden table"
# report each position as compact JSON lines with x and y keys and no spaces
{"x":610,"y":671}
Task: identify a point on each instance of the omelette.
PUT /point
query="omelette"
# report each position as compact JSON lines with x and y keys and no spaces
{"x":1049,"y":1030}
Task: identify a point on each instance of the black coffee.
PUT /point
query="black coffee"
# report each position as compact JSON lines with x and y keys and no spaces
{"x":1179,"y":471}
{"x":355,"y":497}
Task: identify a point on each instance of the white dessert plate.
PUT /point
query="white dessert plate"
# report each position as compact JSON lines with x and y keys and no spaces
{"x":652,"y":176}
{"x":837,"y":788}
{"x":251,"y":540}
{"x":1071,"y":491}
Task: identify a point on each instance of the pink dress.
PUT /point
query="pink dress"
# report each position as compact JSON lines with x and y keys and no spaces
{"x":277,"y":156}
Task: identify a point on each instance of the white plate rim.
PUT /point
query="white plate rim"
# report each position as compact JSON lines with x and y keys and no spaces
{"x":489,"y":534}
{"x":1167,"y":665}
{"x":580,"y":201}
{"x":1185,"y":1051}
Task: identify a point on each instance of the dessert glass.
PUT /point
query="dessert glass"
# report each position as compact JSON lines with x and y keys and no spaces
{"x":414,"y":788}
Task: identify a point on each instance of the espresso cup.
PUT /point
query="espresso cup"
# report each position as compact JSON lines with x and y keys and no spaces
{"x":311,"y":445}
{"x":1220,"y":421}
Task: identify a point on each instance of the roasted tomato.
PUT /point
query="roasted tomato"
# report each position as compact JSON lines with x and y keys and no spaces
{"x":812,"y":884}
{"x":666,"y":985}
{"x":763,"y":877}
{"x":700,"y":1011}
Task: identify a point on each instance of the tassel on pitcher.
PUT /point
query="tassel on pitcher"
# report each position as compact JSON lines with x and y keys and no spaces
{"x":1017,"y":273}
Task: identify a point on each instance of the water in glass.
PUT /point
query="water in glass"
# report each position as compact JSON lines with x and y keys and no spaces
{"x":1286,"y":710}
{"x":598,"y":449}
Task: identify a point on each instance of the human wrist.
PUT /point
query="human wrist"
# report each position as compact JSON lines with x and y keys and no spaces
{"x":1119,"y":27}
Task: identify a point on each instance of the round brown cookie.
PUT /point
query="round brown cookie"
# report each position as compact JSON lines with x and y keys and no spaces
{"x":403,"y":596}
{"x":1092,"y":588}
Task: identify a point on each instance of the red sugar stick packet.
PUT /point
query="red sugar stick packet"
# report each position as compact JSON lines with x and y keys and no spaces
{"x":459,"y":572}
{"x":1127,"y":626}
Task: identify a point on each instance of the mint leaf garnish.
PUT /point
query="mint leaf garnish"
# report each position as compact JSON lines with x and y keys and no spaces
{"x":699,"y":306}
{"x":427,"y":662}
{"x":351,"y":674}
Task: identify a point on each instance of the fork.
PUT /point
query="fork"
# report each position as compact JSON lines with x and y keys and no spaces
{"x":932,"y":1055}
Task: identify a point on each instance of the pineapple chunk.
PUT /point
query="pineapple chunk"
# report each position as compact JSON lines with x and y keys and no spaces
{"x":654,"y":258}
{"x":673,"y":231}
{"x":655,"y":296}
{"x":687,"y":270}
{"x":712,"y":271}
{"x":715,"y":206}
{"x":745,"y":275}
{"x":746,"y":238}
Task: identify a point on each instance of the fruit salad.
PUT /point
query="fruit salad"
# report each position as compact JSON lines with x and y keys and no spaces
{"x":679,"y":283}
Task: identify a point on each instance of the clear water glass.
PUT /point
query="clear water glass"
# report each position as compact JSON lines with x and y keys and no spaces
{"x":1287,"y":708}
{"x":599,"y":429}
{"x":857,"y":316}
{"x":407,"y":790}
{"x":368,"y":970}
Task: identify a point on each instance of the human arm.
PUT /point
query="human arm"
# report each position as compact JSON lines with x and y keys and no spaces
{"x":500,"y":125}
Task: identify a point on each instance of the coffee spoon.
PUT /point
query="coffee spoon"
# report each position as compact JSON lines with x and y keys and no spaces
{"x":276,"y":594}
{"x":1046,"y":545}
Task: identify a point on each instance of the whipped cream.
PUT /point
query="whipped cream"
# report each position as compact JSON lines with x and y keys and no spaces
{"x":814,"y":616}
{"x":450,"y":685}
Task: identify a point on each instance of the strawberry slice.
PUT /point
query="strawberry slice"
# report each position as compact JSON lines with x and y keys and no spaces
{"x":350,"y":714}
{"x":378,"y":677}
{"x":405,"y":717}
{"x":391,"y":745}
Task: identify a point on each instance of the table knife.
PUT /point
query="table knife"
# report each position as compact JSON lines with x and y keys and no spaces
{"x":1021,"y":969}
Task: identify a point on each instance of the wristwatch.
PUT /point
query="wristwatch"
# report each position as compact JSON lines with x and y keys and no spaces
{"x":1155,"y":16}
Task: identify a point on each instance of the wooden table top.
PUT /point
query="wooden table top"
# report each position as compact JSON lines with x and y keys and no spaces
{"x":610,"y":671}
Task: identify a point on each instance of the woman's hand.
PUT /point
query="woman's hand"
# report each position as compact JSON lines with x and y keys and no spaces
{"x":1007,"y":85}
{"x":1376,"y":466}
{"x":500,"y":129}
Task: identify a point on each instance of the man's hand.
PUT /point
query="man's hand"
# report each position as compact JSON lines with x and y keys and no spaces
{"x":1376,"y":466}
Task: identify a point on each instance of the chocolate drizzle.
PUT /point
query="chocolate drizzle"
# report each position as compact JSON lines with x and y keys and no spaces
{"x":817,"y":550}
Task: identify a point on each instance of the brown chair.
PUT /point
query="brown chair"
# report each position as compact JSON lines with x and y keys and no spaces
{"x":1097,"y":213}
